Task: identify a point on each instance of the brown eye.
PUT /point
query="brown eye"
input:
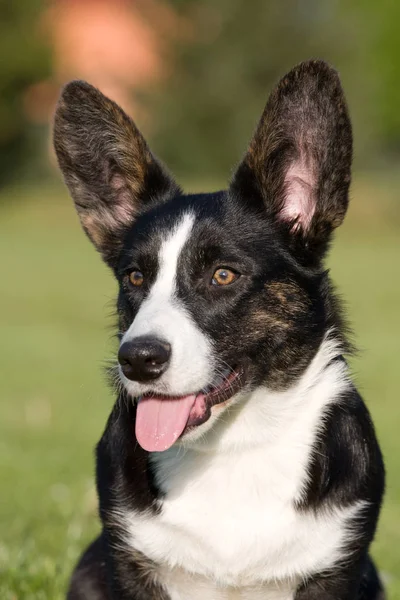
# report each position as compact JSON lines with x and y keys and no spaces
{"x":224,"y":276}
{"x":136,"y":278}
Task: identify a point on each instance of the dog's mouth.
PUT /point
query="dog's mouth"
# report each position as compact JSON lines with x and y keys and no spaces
{"x":161,"y":420}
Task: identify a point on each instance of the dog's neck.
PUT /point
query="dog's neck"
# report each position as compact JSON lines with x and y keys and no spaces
{"x":262,"y":416}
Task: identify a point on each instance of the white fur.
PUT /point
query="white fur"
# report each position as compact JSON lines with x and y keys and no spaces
{"x":228,"y":525}
{"x":164,"y":316}
{"x":182,"y":585}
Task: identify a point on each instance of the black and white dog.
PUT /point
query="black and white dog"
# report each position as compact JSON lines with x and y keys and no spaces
{"x":239,"y":461}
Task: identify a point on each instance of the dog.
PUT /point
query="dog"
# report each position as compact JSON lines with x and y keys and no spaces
{"x":239,"y":460}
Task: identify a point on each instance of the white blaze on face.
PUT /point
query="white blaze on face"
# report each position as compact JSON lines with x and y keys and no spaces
{"x":164,"y":316}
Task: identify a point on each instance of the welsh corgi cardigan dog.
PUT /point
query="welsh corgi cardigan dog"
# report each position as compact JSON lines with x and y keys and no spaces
{"x":239,"y":460}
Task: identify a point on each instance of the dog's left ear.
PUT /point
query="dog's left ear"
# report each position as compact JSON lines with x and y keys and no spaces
{"x":108,"y":167}
{"x":299,"y":160}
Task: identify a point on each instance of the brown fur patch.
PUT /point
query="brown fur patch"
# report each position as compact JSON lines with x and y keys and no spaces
{"x":279,"y":319}
{"x":285,"y":302}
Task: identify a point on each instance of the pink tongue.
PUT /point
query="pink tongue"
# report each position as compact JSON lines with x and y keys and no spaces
{"x":159,"y":423}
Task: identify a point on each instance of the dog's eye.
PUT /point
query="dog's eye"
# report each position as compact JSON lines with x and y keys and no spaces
{"x":136,"y":278}
{"x":223,"y":276}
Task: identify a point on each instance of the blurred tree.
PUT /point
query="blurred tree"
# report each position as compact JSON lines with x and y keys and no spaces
{"x":238,"y":49}
{"x":223,"y":75}
{"x":382,"y":41}
{"x":206,"y":100}
{"x":24,"y":61}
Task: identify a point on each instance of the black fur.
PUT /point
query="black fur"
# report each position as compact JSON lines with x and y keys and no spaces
{"x":347,"y":463}
{"x":283,"y":300}
{"x":358,"y":581}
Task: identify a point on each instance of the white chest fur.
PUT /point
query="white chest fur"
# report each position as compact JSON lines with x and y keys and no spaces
{"x":228,"y":524}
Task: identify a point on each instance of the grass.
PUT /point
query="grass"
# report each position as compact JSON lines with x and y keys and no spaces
{"x":55,"y":306}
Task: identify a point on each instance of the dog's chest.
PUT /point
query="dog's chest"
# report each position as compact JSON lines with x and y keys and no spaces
{"x":228,"y":516}
{"x":182,"y":585}
{"x":231,"y":519}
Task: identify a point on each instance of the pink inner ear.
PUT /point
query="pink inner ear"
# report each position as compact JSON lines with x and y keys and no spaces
{"x":299,"y":203}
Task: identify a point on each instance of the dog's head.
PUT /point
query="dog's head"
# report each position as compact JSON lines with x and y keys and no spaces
{"x":219,"y":293}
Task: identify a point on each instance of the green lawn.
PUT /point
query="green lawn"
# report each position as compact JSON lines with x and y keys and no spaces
{"x":56,"y":329}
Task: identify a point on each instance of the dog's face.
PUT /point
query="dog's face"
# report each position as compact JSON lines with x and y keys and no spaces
{"x":219,"y":293}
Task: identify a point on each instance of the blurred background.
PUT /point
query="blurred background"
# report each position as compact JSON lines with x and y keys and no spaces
{"x":195,"y":75}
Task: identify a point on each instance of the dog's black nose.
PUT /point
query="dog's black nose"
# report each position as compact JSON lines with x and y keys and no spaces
{"x":144,"y":358}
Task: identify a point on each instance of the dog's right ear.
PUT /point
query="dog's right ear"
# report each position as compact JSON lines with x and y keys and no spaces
{"x":107,"y":165}
{"x":298,"y":164}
